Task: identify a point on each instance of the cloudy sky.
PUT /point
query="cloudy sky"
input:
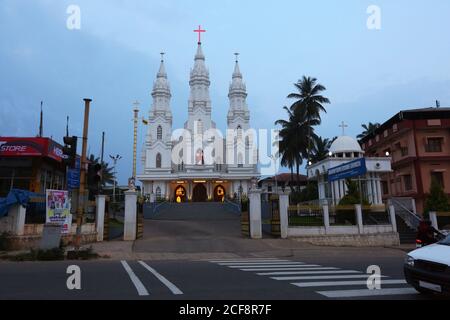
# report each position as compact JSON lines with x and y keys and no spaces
{"x":113,"y":58}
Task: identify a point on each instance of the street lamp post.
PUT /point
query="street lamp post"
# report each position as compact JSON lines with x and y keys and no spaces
{"x":115,"y":159}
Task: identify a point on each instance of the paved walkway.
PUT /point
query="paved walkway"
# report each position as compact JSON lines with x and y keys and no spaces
{"x":206,"y":231}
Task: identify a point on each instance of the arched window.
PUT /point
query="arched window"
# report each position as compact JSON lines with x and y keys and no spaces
{"x":158,"y":193}
{"x":158,"y":160}
{"x":240,"y":160}
{"x":159,"y":133}
{"x":239,"y":132}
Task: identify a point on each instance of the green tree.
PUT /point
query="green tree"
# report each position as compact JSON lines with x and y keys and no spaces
{"x":321,"y":148}
{"x":353,"y":194}
{"x":368,"y":129}
{"x":437,"y":200}
{"x":309,"y":105}
{"x":107,"y":174}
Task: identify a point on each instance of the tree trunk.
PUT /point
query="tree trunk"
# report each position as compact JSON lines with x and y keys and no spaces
{"x":292,"y":179}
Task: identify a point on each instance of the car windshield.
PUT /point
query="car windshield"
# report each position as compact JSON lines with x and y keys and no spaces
{"x":446,"y":241}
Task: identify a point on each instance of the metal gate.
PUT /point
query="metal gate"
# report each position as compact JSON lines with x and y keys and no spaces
{"x":139,"y":220}
{"x":245,"y":218}
{"x":270,"y":214}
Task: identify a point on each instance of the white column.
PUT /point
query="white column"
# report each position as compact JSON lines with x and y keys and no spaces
{"x":336,"y":192}
{"x":100,"y":216}
{"x":255,"y":214}
{"x":393,"y":218}
{"x":16,"y":215}
{"x":369,"y":188}
{"x":326,"y":218}
{"x":359,"y":219}
{"x":433,"y":218}
{"x":284,"y":222}
{"x":129,"y":232}
{"x":378,"y":187}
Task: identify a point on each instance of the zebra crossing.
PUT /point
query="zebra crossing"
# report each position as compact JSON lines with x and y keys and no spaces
{"x":330,"y":282}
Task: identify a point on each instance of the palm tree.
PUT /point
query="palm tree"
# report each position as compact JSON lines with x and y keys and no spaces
{"x":309,"y":104}
{"x":293,"y":140}
{"x":368,"y":129}
{"x":107,"y":174}
{"x":321,"y":148}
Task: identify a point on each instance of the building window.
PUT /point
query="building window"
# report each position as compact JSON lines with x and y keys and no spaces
{"x":158,"y":193}
{"x":407,"y":182}
{"x":158,"y":160}
{"x":240,"y":160}
{"x":159,"y":133}
{"x":439,"y":177}
{"x":434,"y":145}
{"x":199,"y":126}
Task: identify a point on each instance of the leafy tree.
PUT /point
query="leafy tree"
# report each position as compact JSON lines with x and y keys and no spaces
{"x":321,"y":149}
{"x":437,"y":200}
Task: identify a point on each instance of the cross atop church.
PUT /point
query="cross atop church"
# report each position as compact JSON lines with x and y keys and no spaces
{"x":162,"y":56}
{"x":343,"y":126}
{"x":199,"y":31}
{"x":237,"y":56}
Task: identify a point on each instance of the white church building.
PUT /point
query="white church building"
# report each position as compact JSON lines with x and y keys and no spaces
{"x":198,"y":163}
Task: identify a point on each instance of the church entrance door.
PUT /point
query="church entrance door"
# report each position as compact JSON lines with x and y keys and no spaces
{"x":199,"y":194}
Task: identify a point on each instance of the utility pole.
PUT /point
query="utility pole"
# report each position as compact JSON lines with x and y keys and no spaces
{"x":101,"y":159}
{"x":115,"y":159}
{"x":82,"y":195}
{"x":135,"y":120}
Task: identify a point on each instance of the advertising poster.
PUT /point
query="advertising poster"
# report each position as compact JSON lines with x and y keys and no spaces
{"x":58,"y":209}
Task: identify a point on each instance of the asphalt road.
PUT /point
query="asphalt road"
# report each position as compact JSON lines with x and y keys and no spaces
{"x":250,"y":279}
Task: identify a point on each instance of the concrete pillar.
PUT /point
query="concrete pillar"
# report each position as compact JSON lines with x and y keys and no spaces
{"x":284,"y":220}
{"x":17,"y":214}
{"x":255,"y":214}
{"x":359,"y":218}
{"x":393,"y":218}
{"x":370,"y":189}
{"x":100,"y":216}
{"x":129,"y":229}
{"x":326,"y":218}
{"x":433,"y":219}
{"x":378,"y":192}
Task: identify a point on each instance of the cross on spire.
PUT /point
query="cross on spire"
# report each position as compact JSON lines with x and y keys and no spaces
{"x":199,"y":31}
{"x":162,"y":56}
{"x":136,"y":105}
{"x":237,"y":56}
{"x":343,"y":126}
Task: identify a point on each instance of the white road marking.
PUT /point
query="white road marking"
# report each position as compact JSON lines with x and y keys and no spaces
{"x":267,"y":265}
{"x":246,"y":260}
{"x":161,"y":278}
{"x":356,"y":276}
{"x":289,"y":268}
{"x":137,"y":283}
{"x":306,"y":272}
{"x":367,"y":292}
{"x":257,"y":262}
{"x":343,"y":283}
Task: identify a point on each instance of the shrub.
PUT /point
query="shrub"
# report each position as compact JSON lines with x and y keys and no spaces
{"x":437,"y":200}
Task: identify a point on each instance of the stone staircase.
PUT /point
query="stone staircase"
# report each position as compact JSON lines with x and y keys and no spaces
{"x":407,"y":234}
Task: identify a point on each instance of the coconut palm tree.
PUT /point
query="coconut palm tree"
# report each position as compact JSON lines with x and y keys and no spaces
{"x":321,"y":148}
{"x":368,"y":129}
{"x":107,"y":174}
{"x":293,"y":140}
{"x":309,"y":104}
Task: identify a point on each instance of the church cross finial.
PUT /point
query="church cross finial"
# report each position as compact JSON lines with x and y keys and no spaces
{"x":343,"y":126}
{"x":237,"y":56}
{"x":199,"y":31}
{"x":162,"y":56}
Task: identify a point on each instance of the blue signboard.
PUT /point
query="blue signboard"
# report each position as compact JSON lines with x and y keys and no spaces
{"x":73,"y":176}
{"x":348,"y":170}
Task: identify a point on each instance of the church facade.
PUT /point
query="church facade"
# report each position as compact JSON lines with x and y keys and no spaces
{"x":198,"y":162}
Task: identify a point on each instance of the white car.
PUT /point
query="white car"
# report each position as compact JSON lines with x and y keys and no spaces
{"x":428,"y":269}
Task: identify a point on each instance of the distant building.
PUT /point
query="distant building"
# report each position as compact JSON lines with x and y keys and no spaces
{"x":418,"y":141}
{"x":284,"y":181}
{"x":33,"y":164}
{"x":348,"y":161}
